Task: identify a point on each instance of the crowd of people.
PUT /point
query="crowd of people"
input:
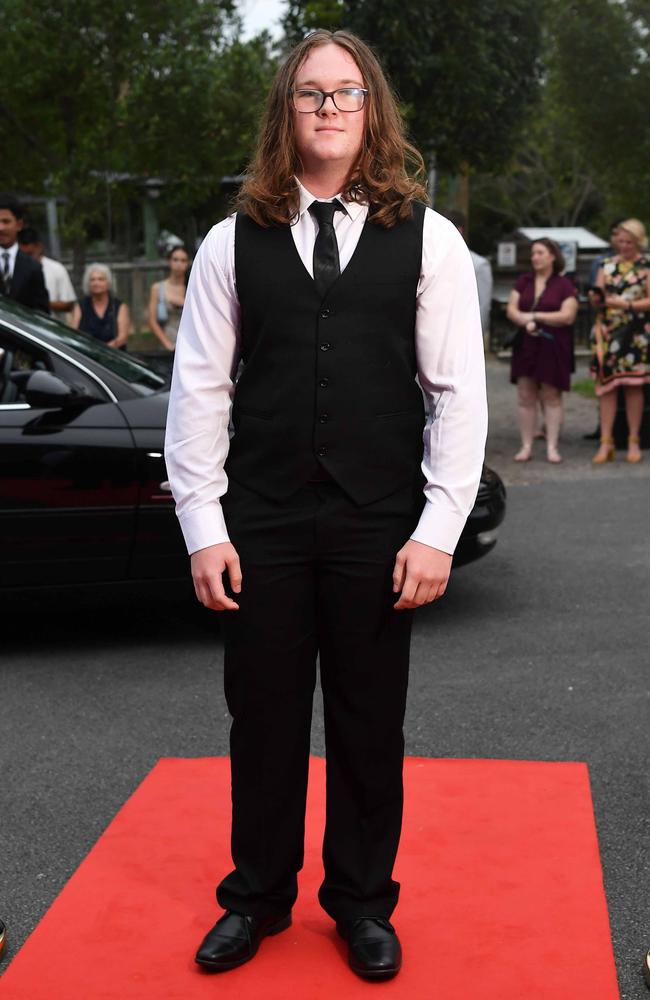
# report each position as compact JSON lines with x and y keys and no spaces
{"x":35,"y":280}
{"x":542,"y":306}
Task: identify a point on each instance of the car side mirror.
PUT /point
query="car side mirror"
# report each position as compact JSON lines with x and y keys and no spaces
{"x":47,"y":391}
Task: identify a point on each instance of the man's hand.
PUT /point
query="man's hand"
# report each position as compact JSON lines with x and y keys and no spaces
{"x":208,"y":566}
{"x":421,"y":573}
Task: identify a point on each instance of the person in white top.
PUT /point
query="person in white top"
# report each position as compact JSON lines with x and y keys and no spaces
{"x":57,"y":280}
{"x":334,"y":509}
{"x":482,"y":271}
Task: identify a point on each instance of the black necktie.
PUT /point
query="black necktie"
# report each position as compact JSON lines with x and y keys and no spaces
{"x":326,"y":251}
{"x":5,"y":272}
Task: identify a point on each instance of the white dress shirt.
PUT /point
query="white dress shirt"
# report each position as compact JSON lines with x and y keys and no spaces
{"x":450,"y":364}
{"x":12,"y":251}
{"x":484,"y":283}
{"x":57,"y":281}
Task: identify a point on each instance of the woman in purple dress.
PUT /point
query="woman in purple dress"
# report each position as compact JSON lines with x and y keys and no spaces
{"x":543,"y":305}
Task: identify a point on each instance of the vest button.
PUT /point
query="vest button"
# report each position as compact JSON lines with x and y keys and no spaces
{"x":324,"y":382}
{"x":322,"y":452}
{"x":324,"y":313}
{"x":324,"y":417}
{"x":326,"y":346}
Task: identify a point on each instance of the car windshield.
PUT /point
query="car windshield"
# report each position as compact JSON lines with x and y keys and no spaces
{"x":119,"y":362}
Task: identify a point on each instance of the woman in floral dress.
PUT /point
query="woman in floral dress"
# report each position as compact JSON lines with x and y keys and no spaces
{"x":621,"y":339}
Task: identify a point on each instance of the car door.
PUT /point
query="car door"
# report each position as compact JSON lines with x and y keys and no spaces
{"x":68,"y":489}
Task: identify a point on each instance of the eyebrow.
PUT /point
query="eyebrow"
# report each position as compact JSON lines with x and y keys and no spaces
{"x":341,"y":83}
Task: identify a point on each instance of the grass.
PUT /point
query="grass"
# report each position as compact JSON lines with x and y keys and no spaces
{"x":585,"y":387}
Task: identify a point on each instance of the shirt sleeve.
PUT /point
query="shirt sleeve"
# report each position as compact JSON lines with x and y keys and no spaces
{"x":483,"y":272}
{"x":205,"y":363}
{"x":568,"y":290}
{"x":520,"y":284}
{"x":65,"y":288}
{"x":451,"y":371}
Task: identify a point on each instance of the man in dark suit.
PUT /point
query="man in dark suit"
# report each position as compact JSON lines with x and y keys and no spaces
{"x":21,"y":277}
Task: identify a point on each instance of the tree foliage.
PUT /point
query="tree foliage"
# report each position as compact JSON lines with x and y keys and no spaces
{"x":544,"y":105}
{"x":466,"y":73}
{"x":584,"y":153}
{"x":126,"y":90}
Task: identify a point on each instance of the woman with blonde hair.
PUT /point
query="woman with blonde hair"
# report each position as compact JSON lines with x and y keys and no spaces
{"x":621,"y":338}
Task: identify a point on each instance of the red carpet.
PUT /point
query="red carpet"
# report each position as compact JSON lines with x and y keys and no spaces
{"x":502,"y":896}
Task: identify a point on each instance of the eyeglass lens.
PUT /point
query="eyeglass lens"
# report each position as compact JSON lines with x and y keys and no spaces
{"x":345,"y":99}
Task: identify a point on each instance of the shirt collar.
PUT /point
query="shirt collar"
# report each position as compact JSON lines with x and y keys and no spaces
{"x":12,"y":251}
{"x":353,"y":208}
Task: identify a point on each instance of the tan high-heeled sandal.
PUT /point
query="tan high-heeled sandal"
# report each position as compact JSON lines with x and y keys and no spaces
{"x":606,"y":455}
{"x":635,"y":456}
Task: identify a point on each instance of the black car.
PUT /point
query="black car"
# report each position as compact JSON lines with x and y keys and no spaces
{"x":84,"y":495}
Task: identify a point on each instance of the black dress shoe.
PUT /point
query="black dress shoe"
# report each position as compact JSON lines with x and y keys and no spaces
{"x":234,"y":939}
{"x":374,"y":950}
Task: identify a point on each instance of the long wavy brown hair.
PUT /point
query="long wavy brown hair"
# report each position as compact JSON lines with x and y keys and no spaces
{"x":387,"y":172}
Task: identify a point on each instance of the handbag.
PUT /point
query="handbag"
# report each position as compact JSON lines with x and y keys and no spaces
{"x":161,"y":308}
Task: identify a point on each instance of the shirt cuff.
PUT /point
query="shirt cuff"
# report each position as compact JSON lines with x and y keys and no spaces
{"x":439,"y":528}
{"x":203,"y":527}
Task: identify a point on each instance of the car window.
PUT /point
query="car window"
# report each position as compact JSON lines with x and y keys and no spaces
{"x":134,"y":372}
{"x":74,"y":376}
{"x":17,"y":362}
{"x":118,"y":362}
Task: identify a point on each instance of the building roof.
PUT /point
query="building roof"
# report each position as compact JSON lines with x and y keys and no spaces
{"x":565,"y":234}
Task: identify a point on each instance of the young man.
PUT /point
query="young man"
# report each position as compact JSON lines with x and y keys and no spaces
{"x":324,"y":521}
{"x":57,"y":280}
{"x":21,"y":278}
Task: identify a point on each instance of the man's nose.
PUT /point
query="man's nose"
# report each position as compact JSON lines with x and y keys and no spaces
{"x":328,"y":108}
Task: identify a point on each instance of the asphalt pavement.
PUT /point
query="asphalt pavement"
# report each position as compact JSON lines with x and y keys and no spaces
{"x":537,"y":652}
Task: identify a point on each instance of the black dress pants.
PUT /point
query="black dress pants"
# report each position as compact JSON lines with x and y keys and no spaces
{"x":317,"y":582}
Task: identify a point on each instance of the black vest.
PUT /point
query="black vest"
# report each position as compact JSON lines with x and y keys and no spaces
{"x":328,"y":382}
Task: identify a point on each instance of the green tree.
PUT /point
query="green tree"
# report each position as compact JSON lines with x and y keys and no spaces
{"x":128,"y":89}
{"x":599,"y":70}
{"x":583,"y":154}
{"x":466,"y":72}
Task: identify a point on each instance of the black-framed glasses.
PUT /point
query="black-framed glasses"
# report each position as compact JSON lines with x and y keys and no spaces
{"x":344,"y":99}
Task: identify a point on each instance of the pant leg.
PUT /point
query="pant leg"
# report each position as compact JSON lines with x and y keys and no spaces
{"x":364,"y":659}
{"x":270,"y":671}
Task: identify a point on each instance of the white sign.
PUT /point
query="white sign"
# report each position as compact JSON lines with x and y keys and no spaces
{"x":506,"y":254}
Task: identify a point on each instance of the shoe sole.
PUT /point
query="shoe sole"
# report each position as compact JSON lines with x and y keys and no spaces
{"x":379,"y":974}
{"x":282,"y":925}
